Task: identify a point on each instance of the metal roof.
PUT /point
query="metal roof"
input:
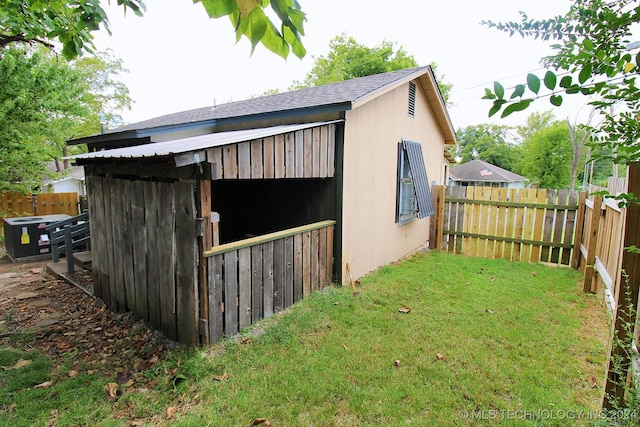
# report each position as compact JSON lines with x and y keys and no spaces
{"x":194,"y":143}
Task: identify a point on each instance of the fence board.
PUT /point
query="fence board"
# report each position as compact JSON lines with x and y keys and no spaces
{"x":268,"y":144}
{"x":279,"y":157}
{"x":215,"y":266}
{"x":289,"y":290}
{"x":230,"y":293}
{"x":153,"y":259}
{"x":267,"y":278}
{"x":139,"y":237}
{"x":244,"y":295}
{"x":278,"y":273}
{"x":166,"y":259}
{"x":186,"y":261}
{"x":244,"y":160}
{"x":256,"y":283}
{"x":256,"y":159}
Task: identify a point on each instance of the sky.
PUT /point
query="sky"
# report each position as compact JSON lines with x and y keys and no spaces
{"x":178,"y":59}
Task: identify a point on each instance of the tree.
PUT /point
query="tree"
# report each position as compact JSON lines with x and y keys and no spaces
{"x":546,"y":157}
{"x":347,"y":59}
{"x":535,"y":123}
{"x":71,"y":22}
{"x":593,"y":58}
{"x":487,"y":142}
{"x":44,"y":101}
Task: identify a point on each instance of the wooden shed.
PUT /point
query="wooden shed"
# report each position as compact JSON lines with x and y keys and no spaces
{"x":205,"y":221}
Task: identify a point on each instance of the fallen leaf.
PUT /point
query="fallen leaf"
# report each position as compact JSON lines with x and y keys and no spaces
{"x":11,"y":407}
{"x":492,"y":279}
{"x":43,"y":385}
{"x":490,"y":311}
{"x":336,"y":303}
{"x":246,"y":340}
{"x":171,"y":411}
{"x":73,"y":373}
{"x":404,"y":309}
{"x":135,"y":423}
{"x":396,"y":363}
{"x":261,"y":422}
{"x":112,"y":389}
{"x":221,"y":377}
{"x":534,"y":274}
{"x":439,"y":356}
{"x":345,"y":346}
{"x":356,"y":294}
{"x":21,"y":363}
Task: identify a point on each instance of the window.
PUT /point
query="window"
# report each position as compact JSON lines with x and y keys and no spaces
{"x":412,"y":99}
{"x":413,"y":198}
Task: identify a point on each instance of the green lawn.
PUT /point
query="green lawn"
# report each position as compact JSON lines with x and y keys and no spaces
{"x":484,"y":342}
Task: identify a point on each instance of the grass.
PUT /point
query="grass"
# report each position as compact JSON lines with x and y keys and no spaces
{"x":482,"y":336}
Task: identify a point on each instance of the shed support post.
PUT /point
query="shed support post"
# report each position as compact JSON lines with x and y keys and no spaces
{"x":203,"y":203}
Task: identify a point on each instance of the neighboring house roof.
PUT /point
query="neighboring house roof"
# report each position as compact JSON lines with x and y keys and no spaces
{"x":478,"y":170}
{"x":342,"y":96}
{"x":74,"y":172}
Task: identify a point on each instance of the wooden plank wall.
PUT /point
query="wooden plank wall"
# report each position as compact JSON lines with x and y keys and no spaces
{"x":145,"y":252}
{"x":308,"y":153}
{"x":529,"y":225}
{"x":256,"y":281}
{"x":17,"y":205}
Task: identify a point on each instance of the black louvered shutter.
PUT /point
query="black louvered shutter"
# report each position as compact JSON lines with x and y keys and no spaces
{"x":420,"y":179}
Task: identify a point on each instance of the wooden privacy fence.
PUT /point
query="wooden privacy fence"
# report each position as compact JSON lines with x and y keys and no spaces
{"x":17,"y":205}
{"x":602,"y":245}
{"x":254,"y":278}
{"x":528,"y":225}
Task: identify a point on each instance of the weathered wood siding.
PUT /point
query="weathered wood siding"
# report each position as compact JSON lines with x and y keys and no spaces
{"x":145,"y":252}
{"x":529,"y":225}
{"x":255,"y":278}
{"x":308,"y":153}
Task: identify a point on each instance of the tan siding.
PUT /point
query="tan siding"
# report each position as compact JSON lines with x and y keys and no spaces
{"x":372,"y":132}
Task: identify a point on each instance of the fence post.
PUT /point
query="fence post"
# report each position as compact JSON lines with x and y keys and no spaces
{"x":617,"y":376}
{"x":579,"y":230}
{"x":590,"y":267}
{"x":68,"y":247}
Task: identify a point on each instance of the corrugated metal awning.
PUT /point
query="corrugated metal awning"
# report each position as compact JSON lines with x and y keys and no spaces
{"x":195,"y":143}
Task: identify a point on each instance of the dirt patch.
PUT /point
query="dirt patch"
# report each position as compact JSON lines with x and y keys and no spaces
{"x":40,"y":312}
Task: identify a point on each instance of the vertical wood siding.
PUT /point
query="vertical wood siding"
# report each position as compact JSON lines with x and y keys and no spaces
{"x":308,"y":153}
{"x":145,"y":252}
{"x":258,"y":280}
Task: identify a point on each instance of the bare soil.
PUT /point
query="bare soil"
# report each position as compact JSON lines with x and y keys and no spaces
{"x":54,"y":317}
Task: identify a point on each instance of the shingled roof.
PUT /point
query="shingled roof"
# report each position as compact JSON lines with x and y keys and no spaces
{"x":479,"y":170}
{"x":339,"y":96}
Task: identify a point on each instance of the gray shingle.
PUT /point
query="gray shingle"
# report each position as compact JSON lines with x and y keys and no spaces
{"x":336,"y":93}
{"x":471,"y":171}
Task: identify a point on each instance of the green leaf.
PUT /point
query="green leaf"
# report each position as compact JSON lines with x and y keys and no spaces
{"x":573,"y":89}
{"x":498,"y":89}
{"x":488,"y":94}
{"x":585,"y":73}
{"x":587,"y":44}
{"x":556,"y":100}
{"x":219,"y":8}
{"x":497,"y":105}
{"x":566,"y":81}
{"x":533,"y":82}
{"x":518,"y":106}
{"x":550,"y":80}
{"x":518,"y":91}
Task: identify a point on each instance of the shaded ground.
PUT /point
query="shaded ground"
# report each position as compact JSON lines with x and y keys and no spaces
{"x":40,"y":312}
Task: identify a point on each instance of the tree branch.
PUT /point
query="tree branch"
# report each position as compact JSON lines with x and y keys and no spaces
{"x":6,"y":40}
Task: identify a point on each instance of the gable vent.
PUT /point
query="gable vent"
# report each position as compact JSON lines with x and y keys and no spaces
{"x":412,"y":99}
